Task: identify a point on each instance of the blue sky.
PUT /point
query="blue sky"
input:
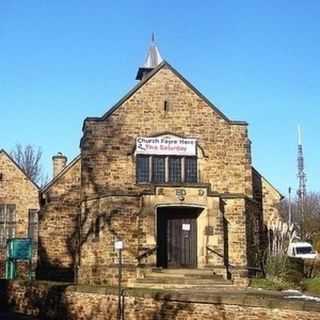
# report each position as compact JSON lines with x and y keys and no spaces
{"x":61,"y":61}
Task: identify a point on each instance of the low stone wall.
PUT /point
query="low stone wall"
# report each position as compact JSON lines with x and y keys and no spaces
{"x":53,"y":301}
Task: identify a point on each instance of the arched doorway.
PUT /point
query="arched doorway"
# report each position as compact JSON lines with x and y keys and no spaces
{"x":177,"y":245}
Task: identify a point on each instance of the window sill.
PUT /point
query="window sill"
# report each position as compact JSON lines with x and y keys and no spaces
{"x":173,"y":184}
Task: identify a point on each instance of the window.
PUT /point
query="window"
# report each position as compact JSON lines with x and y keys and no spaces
{"x":175,"y":169}
{"x":190,"y":165}
{"x":143,"y":168}
{"x":7,"y":223}
{"x":98,"y":226}
{"x":158,"y":169}
{"x":304,"y":250}
{"x":166,"y":169}
{"x":33,"y":228}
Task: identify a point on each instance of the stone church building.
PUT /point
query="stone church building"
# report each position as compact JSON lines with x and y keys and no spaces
{"x":167,"y":173}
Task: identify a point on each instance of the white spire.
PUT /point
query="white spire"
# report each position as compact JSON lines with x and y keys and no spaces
{"x":152,"y":60}
{"x":153,"y":56}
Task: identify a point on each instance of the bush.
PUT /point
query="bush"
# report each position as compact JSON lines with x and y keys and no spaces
{"x":289,"y":270}
{"x":312,"y":285}
{"x":276,"y":266}
{"x":272,"y":284}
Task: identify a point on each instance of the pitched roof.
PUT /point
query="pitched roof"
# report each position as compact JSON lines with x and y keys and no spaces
{"x":268,"y":182}
{"x":2,"y":151}
{"x":61,"y":173}
{"x":146,"y":79}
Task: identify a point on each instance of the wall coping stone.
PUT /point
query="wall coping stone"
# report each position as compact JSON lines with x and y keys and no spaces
{"x":229,"y":296}
{"x":233,"y":296}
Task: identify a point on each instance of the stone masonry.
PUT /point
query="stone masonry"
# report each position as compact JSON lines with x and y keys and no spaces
{"x":47,"y":301}
{"x":18,"y":190}
{"x":59,"y":228}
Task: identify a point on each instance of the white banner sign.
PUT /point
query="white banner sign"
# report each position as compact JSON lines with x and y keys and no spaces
{"x":166,"y":146}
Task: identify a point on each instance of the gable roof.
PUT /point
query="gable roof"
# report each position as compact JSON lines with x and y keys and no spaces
{"x":148,"y":77}
{"x":268,"y":182}
{"x":61,"y":173}
{"x":2,"y":151}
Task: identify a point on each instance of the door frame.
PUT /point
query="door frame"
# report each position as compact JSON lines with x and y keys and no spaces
{"x":177,"y":205}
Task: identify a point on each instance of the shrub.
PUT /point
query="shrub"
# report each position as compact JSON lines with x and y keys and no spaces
{"x":286,"y":268}
{"x":271,"y":284}
{"x":312,"y":285}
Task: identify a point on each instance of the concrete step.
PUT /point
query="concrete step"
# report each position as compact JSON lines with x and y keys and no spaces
{"x":184,"y":276}
{"x":182,"y":280}
{"x":186,"y":273}
{"x":160,"y":278}
{"x":182,"y":271}
{"x":181,"y":286}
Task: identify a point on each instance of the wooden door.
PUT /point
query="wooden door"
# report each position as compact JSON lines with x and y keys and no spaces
{"x":177,"y":237}
{"x":181,"y":241}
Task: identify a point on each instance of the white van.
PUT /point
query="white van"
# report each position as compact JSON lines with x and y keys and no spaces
{"x":302,"y":250}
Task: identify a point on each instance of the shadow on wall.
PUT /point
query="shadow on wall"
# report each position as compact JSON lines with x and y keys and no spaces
{"x":83,"y":222}
{"x":171,"y":309}
{"x":3,"y":295}
{"x":49,"y":265}
{"x":45,"y":301}
{"x":255,"y":229}
{"x":47,"y":270}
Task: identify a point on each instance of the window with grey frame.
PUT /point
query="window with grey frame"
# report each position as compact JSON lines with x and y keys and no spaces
{"x":175,"y":168}
{"x":33,"y":228}
{"x":158,"y":169}
{"x":191,"y":169}
{"x":166,"y":169}
{"x":7,"y":223}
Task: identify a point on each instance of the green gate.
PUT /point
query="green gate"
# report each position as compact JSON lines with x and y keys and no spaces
{"x":18,"y":249}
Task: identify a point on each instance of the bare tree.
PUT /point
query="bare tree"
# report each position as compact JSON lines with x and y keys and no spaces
{"x":28,"y":158}
{"x":307,"y":220}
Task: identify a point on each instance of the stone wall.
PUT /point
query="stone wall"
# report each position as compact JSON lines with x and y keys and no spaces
{"x":16,"y":189}
{"x":59,"y":225}
{"x":104,"y":221}
{"x":49,"y":301}
{"x":254,"y":230}
{"x":269,"y":197}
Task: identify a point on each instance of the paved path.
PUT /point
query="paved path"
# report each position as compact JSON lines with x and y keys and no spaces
{"x":14,"y":316}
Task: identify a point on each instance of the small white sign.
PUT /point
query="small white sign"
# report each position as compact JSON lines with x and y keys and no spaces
{"x":166,"y":145}
{"x":118,"y":245}
{"x":186,"y":226}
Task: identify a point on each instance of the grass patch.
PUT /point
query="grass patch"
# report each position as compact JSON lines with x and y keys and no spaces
{"x":312,"y":285}
{"x":272,"y":284}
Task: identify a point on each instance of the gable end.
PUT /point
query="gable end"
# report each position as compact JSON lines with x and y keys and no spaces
{"x":148,"y":77}
{"x":19,"y":168}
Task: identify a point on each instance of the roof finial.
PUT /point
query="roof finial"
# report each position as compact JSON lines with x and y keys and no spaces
{"x":152,"y":37}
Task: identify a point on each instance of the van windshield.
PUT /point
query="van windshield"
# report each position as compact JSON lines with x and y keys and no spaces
{"x":304,"y":250}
